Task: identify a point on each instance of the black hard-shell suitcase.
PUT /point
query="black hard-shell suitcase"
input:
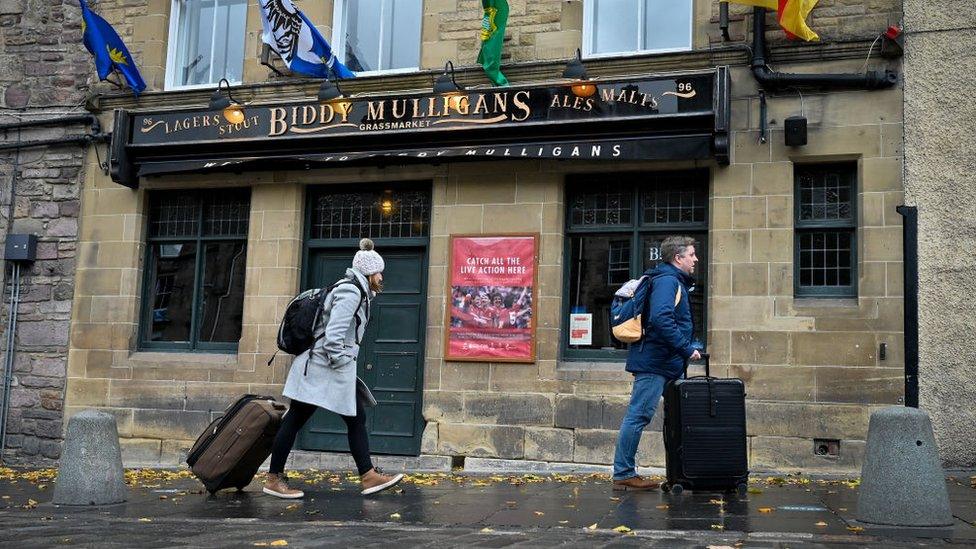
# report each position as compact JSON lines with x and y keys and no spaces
{"x":705,"y":434}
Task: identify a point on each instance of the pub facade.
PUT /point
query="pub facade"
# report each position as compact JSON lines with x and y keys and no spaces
{"x":207,"y":222}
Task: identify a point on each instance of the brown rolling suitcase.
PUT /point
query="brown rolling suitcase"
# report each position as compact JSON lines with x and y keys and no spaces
{"x":230,"y":451}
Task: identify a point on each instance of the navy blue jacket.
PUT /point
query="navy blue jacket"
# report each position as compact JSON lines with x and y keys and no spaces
{"x":667,"y":329}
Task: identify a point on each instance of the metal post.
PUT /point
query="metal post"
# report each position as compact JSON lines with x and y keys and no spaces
{"x":910,"y":263}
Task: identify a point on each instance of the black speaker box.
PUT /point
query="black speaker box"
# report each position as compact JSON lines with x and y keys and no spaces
{"x":796,"y":131}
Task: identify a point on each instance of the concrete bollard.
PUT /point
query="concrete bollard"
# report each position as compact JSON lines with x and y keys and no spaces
{"x":91,"y":465}
{"x":902,"y":481}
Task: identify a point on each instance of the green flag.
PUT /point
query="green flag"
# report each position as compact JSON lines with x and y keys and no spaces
{"x":492,"y":38}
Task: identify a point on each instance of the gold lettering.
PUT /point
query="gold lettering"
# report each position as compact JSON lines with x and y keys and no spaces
{"x":555,"y":102}
{"x":416,"y":107}
{"x":196,"y":121}
{"x":206,"y":121}
{"x":448,"y":99}
{"x":326,"y":113}
{"x":501,"y":101}
{"x":461,"y":105}
{"x":622,"y":96}
{"x":520,"y":100}
{"x":294,"y":116}
{"x":374,"y":110}
{"x":399,"y":108}
{"x":589,"y":105}
{"x":481,"y":106}
{"x":308,"y":114}
{"x":608,"y":94}
{"x":578,"y":103}
{"x":277,"y":118}
{"x":430,"y":107}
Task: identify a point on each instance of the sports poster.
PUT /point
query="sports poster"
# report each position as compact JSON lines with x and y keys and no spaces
{"x":491,"y":298}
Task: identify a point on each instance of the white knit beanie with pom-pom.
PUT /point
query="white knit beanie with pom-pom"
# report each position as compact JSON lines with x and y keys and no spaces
{"x":367,"y":261}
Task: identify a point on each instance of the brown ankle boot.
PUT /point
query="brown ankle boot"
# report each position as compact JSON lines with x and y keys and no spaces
{"x":374,"y":481}
{"x":277,"y":486}
{"x":635,"y":483}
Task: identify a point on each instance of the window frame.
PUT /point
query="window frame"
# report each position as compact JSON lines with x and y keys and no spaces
{"x":200,"y":241}
{"x":807,"y":226}
{"x":172,"y":48}
{"x":338,"y":42}
{"x":589,"y":13}
{"x":638,"y":229}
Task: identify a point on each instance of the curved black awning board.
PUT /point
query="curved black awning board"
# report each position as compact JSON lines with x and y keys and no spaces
{"x":654,"y":117}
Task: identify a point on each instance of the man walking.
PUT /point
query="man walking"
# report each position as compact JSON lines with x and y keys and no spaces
{"x":325,"y":375}
{"x":660,"y":355}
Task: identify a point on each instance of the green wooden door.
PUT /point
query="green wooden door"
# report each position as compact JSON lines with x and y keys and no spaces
{"x":391,"y":357}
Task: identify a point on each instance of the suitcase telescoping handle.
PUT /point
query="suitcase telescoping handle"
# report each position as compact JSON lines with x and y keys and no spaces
{"x":705,"y":357}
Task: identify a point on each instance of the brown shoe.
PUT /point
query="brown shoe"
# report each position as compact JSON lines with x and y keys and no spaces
{"x":374,"y":481}
{"x":277,"y":486}
{"x":636,"y":483}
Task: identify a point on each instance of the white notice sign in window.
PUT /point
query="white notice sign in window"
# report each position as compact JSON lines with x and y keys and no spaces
{"x":581,"y":329}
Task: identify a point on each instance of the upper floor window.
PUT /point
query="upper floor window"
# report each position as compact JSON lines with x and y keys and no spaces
{"x":613,"y":27}
{"x":206,"y":42}
{"x":377,"y":35}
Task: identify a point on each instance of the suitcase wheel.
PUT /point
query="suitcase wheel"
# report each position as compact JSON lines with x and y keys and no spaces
{"x":675,"y":489}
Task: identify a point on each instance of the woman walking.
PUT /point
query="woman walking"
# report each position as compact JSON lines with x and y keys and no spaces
{"x":325,"y":375}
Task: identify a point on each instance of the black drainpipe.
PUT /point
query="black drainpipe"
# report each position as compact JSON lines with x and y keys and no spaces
{"x":910,"y":265}
{"x":771,"y":80}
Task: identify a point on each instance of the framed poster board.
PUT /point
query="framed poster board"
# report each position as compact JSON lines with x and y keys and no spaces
{"x":491,"y":298}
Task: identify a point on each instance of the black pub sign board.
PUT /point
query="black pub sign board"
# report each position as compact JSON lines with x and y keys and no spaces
{"x":654,"y":117}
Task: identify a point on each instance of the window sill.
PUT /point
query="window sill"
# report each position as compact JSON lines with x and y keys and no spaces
{"x":157,"y":359}
{"x":809,"y":302}
{"x":591,"y":371}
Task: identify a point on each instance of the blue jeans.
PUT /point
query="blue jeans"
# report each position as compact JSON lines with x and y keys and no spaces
{"x":647,"y":391}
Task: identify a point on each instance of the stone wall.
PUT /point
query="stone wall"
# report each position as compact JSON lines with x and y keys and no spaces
{"x":811,"y":366}
{"x":940,"y":160}
{"x":43,"y":74}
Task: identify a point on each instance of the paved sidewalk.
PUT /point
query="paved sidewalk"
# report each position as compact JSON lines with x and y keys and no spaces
{"x":166,"y":508}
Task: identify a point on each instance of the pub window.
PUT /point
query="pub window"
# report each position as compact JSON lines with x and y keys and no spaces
{"x":614,"y":27}
{"x":825,"y":262}
{"x":614,"y":228}
{"x":196,"y":254}
{"x":377,"y":35}
{"x":206,"y":42}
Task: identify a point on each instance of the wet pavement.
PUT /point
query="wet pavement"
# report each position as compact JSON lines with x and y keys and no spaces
{"x":166,"y":508}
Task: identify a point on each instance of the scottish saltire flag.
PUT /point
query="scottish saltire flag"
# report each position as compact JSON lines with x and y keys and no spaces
{"x":292,"y":36}
{"x":108,"y":50}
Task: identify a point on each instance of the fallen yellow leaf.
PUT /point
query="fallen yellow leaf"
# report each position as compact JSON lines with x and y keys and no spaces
{"x":821,"y":523}
{"x":261,"y":543}
{"x":765,"y":509}
{"x":395,"y":516}
{"x":665,"y":506}
{"x":487,"y":530}
{"x":31,"y":504}
{"x":716,"y":502}
{"x":564,"y":522}
{"x":718,"y":527}
{"x":592,"y":526}
{"x":754,"y":491}
{"x":855,"y":529}
{"x":614,"y":499}
{"x":538,"y":513}
{"x":622,"y":529}
{"x":144,"y":519}
{"x":279,"y":543}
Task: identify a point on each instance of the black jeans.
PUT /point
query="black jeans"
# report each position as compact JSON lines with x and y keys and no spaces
{"x":295,"y":419}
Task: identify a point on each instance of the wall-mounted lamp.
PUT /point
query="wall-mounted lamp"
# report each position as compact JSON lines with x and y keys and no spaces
{"x":331,"y":94}
{"x":232,"y":108}
{"x":447,"y":86}
{"x":576,"y":71}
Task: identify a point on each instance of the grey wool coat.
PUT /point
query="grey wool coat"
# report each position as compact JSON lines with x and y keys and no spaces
{"x":325,"y":375}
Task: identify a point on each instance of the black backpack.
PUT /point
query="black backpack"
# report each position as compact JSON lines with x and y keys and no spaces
{"x":296,"y":334}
